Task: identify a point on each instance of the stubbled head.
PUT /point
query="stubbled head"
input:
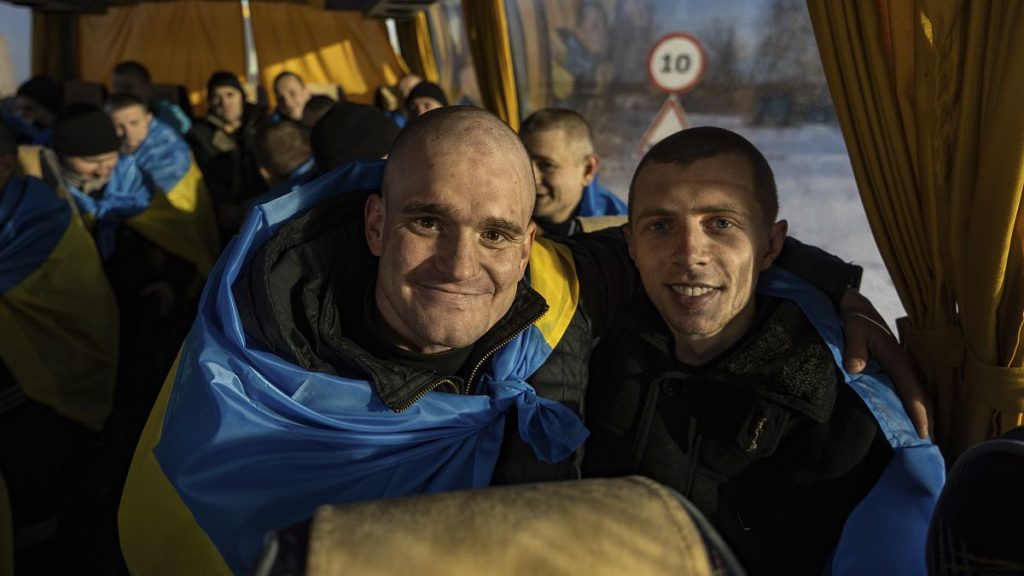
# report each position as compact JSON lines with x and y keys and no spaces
{"x":561,"y":148}
{"x":131,"y":120}
{"x":702,"y":209}
{"x":452,"y":228}
{"x":131,"y":77}
{"x":292,"y":94}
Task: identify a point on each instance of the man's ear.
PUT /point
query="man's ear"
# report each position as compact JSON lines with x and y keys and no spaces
{"x":591,"y":162}
{"x":627,"y":232}
{"x":775,"y":239}
{"x":373,"y":217}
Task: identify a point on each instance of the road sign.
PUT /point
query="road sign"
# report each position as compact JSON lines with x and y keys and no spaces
{"x":670,"y":119}
{"x":676,"y":63}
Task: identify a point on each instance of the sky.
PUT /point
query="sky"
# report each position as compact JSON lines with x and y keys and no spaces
{"x":16,"y":28}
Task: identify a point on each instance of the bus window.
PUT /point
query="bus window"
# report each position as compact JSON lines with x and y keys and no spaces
{"x":15,"y":47}
{"x":762,"y":78}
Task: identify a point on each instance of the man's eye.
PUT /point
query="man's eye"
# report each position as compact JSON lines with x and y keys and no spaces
{"x":658,"y":226}
{"x":426,"y":223}
{"x":494,"y":236}
{"x":721,"y":223}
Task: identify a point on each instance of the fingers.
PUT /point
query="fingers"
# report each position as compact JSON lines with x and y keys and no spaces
{"x":900,"y":368}
{"x":865,"y":332}
{"x":855,"y":352}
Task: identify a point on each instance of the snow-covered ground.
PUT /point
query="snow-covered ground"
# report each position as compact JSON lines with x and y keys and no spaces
{"x":817,"y":195}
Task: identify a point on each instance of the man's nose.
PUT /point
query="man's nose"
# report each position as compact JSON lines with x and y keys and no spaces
{"x":459,"y":260}
{"x":690,"y":246}
{"x":537,"y":177}
{"x":104,"y":170}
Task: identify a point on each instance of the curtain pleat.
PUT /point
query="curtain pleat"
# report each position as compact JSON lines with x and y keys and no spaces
{"x":928,"y":95}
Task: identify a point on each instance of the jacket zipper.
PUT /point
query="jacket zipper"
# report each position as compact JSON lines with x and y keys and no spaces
{"x":472,"y":375}
{"x":499,"y":346}
{"x":426,"y":390}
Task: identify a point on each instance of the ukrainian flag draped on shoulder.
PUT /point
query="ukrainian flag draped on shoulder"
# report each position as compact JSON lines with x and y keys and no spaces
{"x":124,"y":195}
{"x":180,"y":216}
{"x":242,"y":442}
{"x":58,"y":317}
{"x":886,"y":532}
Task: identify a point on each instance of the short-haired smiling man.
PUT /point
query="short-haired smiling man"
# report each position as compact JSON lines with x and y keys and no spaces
{"x":725,"y":382}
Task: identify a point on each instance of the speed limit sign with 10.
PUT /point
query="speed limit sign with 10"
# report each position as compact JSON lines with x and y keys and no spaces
{"x":676,"y":63}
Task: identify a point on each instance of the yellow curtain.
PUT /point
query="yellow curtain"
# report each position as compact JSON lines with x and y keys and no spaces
{"x":417,"y":47}
{"x":181,"y":42}
{"x":487,"y":28}
{"x":928,"y":94}
{"x":324,"y":47}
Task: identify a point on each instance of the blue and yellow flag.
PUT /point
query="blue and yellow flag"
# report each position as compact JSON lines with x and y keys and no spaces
{"x":180,"y":216}
{"x":886,"y":532}
{"x":58,"y":317}
{"x":242,"y":442}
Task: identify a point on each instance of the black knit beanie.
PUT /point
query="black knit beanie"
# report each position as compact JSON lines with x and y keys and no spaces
{"x":84,"y":130}
{"x":426,"y":90}
{"x":223,"y":78}
{"x":351,"y":131}
{"x":43,"y":91}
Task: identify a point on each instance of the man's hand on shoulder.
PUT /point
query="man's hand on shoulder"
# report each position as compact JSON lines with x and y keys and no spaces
{"x":867,"y":334}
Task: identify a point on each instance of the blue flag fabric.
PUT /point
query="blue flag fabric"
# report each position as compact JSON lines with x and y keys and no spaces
{"x":124,"y":196}
{"x":252,"y":443}
{"x":58,"y":316}
{"x":32,"y":222}
{"x":886,"y":532}
{"x":163,"y":157}
{"x":600,"y":201}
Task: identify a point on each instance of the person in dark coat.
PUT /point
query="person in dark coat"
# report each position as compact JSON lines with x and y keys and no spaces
{"x":222,"y":142}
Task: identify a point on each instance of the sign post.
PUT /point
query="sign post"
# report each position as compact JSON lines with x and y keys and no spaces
{"x":675,"y":65}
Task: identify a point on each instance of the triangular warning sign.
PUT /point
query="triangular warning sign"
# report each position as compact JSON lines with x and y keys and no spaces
{"x":670,"y":119}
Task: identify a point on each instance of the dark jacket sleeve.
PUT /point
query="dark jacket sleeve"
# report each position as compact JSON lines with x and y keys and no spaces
{"x":608,"y":278}
{"x":828,"y":273}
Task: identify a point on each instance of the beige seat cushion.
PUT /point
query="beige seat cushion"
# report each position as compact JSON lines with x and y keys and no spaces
{"x":616,"y":526}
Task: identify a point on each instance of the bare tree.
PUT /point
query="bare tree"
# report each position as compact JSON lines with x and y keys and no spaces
{"x":787,"y":53}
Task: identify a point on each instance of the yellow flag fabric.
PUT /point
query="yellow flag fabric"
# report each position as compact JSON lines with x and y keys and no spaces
{"x":324,"y":47}
{"x":928,"y":96}
{"x":151,"y":513}
{"x":182,"y":222}
{"x":59,"y":329}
